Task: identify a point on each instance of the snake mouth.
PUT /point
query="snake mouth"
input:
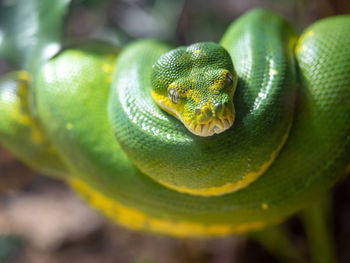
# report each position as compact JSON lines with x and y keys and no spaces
{"x":214,"y":126}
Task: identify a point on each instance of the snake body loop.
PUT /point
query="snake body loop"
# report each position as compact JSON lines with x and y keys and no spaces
{"x":143,"y":168}
{"x":222,"y":163}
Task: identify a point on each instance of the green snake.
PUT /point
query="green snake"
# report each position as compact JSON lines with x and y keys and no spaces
{"x":204,"y":140}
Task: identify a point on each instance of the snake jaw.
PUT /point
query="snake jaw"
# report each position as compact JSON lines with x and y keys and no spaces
{"x":214,"y":126}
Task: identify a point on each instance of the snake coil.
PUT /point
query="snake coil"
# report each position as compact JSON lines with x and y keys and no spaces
{"x":290,"y":141}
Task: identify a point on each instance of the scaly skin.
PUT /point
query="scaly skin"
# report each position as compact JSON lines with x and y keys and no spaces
{"x":71,"y":96}
{"x":20,"y":133}
{"x":264,"y":102}
{"x":196,"y":85}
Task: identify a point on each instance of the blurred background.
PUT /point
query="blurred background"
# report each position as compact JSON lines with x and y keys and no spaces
{"x":42,"y":220}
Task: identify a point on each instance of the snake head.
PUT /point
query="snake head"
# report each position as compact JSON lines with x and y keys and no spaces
{"x":196,"y":85}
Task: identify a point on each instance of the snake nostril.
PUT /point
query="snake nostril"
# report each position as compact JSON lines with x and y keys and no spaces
{"x":208,"y":112}
{"x":198,"y":111}
{"x":218,"y":108}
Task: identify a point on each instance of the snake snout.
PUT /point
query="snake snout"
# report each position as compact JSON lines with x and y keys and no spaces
{"x":218,"y":108}
{"x":204,"y":113}
{"x":211,"y":119}
{"x":207,"y":112}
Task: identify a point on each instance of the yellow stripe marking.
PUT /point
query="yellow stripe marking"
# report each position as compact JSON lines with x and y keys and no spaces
{"x":231,"y":187}
{"x":137,"y":220}
{"x":300,"y":46}
{"x":264,"y":206}
{"x":69,"y":126}
{"x":108,"y":68}
{"x":24,"y":76}
{"x":21,"y":112}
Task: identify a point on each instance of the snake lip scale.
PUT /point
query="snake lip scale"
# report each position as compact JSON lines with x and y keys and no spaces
{"x":214,"y":126}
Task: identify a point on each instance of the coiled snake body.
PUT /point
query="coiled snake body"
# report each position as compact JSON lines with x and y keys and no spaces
{"x":289,"y":142}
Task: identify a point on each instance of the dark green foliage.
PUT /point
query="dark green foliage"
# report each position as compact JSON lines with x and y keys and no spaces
{"x":30,"y":30}
{"x":9,"y":245}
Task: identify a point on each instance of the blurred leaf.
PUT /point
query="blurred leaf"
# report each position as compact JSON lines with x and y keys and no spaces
{"x":88,"y":3}
{"x":159,"y":19}
{"x":30,"y":30}
{"x":114,"y":36}
{"x":8,"y":247}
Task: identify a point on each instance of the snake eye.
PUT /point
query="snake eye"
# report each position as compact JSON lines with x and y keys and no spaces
{"x":173,"y":95}
{"x":229,"y":79}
